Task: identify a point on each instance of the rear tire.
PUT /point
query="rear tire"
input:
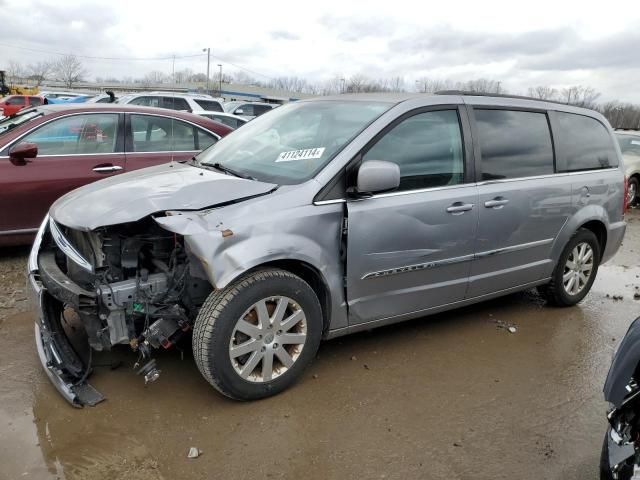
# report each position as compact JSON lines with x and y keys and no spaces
{"x":254,"y":338}
{"x":562,"y":291}
{"x":633,"y":191}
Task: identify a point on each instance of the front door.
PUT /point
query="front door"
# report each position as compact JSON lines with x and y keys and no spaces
{"x":411,"y":250}
{"x":72,"y":151}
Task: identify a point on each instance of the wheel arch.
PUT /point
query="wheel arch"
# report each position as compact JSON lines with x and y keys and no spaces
{"x":592,"y":217}
{"x":310,"y":274}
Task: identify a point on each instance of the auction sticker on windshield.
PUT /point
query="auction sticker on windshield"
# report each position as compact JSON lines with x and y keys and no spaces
{"x":305,"y":154}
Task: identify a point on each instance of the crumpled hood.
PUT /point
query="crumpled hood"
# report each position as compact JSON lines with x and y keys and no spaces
{"x":134,"y":195}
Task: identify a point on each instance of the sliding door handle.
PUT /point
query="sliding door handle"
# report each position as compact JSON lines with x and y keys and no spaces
{"x":496,"y":203}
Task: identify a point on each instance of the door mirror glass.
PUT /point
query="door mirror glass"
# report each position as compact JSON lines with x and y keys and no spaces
{"x":378,"y":176}
{"x":21,"y":153}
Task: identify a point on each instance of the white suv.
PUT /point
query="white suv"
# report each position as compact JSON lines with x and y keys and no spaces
{"x":174,"y":101}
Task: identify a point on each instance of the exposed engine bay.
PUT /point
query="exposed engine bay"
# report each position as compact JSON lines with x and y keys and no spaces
{"x":141,"y":285}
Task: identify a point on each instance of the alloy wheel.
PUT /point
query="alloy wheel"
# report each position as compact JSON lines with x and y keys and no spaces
{"x":578,"y":268}
{"x":268,"y":339}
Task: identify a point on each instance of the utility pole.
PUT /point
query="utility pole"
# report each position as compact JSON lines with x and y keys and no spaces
{"x":220,"y":81}
{"x":342,"y":80}
{"x":208,"y":50}
{"x":173,"y":69}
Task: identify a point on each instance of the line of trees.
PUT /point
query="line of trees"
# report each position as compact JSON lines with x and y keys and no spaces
{"x":70,"y":70}
{"x":67,"y":69}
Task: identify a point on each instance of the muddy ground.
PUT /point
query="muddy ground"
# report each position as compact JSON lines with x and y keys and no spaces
{"x":453,"y":396}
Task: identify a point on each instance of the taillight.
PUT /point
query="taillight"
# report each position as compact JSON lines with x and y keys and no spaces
{"x":625,"y":203}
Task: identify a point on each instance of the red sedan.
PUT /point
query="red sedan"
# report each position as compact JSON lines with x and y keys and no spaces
{"x":14,"y":103}
{"x":47,"y":151}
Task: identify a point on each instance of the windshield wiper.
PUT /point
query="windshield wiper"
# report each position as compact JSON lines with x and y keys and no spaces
{"x":230,"y":171}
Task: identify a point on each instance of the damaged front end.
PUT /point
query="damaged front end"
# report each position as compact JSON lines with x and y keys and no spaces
{"x":130,"y":284}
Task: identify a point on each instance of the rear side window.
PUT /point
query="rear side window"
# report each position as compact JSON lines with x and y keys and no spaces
{"x":247,"y":109}
{"x":34,"y":101}
{"x":209,"y":105}
{"x":164,"y":134}
{"x":629,"y":144}
{"x":175,"y":103}
{"x":514,"y":144}
{"x":586,"y":143}
{"x":146,"y":101}
{"x":260,"y":109}
{"x":428,"y":149}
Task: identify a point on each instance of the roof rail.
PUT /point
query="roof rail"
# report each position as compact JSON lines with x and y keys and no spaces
{"x":499,"y":95}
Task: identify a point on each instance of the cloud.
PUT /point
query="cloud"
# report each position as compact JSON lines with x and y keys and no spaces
{"x":353,"y":29}
{"x":283,"y":35}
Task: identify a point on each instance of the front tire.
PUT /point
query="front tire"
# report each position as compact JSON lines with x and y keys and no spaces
{"x":575,"y":272}
{"x":254,"y":338}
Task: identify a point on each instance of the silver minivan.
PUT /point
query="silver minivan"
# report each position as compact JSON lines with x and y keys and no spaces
{"x":321,"y":218}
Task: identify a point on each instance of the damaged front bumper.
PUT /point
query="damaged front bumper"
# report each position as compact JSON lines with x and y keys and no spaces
{"x":61,"y":363}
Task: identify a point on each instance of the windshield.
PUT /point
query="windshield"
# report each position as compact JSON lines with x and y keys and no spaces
{"x":629,"y":144}
{"x":290,"y":144}
{"x":19,"y":118}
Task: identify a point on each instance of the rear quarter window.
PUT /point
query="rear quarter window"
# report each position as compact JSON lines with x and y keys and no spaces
{"x":209,"y":105}
{"x":585,"y":142}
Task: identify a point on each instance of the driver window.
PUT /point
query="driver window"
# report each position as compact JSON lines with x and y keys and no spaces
{"x":428,"y":149}
{"x":78,"y":134}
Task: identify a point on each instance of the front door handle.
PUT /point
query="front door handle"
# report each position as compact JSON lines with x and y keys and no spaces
{"x":459,"y":208}
{"x":107,"y":168}
{"x":496,"y":203}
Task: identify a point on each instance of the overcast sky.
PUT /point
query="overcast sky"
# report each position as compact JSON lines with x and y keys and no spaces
{"x":522,"y":44}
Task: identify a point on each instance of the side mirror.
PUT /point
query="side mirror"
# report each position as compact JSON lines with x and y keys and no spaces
{"x":239,"y":111}
{"x":20,"y":153}
{"x":378,"y":176}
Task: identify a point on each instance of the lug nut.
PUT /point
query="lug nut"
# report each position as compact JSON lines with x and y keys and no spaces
{"x":275,"y":345}
{"x":263,"y":349}
{"x":279,"y":332}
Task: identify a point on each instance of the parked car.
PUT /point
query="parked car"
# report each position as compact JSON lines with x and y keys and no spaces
{"x":228,"y":119}
{"x":173,"y":101}
{"x":14,"y":103}
{"x":325,"y":217}
{"x":61,"y":95}
{"x":620,"y":457}
{"x":248,"y":110}
{"x":106,"y":97}
{"x":629,"y":141}
{"x":49,"y":150}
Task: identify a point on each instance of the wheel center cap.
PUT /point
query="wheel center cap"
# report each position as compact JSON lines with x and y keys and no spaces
{"x":268,"y":338}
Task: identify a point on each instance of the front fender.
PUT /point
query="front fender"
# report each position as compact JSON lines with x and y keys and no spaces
{"x":229,"y":244}
{"x":623,"y":366}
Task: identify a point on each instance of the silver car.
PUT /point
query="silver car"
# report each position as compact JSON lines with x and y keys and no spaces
{"x":321,"y":218}
{"x":629,"y":141}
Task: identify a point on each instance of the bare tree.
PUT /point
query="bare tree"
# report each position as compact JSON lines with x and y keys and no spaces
{"x":481,"y":85}
{"x":183,"y":76}
{"x":621,"y":115}
{"x":39,"y":71}
{"x":15,"y":72}
{"x":580,"y":96}
{"x":543,"y":92}
{"x":69,"y":70}
{"x":429,"y":85}
{"x":154,"y":77}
